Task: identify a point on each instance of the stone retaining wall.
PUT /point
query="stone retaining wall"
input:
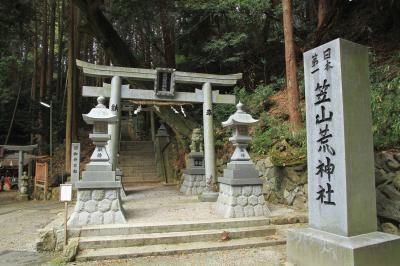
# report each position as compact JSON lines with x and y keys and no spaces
{"x":288,"y":185}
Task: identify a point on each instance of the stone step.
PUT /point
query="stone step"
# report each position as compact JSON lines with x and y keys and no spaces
{"x":136,"y":159}
{"x":172,"y":249}
{"x":135,"y":182}
{"x":144,"y":163}
{"x":137,"y":142}
{"x":137,"y":174}
{"x":136,"y":147}
{"x":165,"y":227}
{"x":125,"y":154}
{"x":138,"y":170}
{"x":139,"y":164}
{"x":171,"y":237}
{"x":140,"y":182}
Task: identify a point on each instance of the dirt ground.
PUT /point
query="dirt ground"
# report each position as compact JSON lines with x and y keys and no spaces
{"x":155,"y":202}
{"x":20,"y":222}
{"x":265,"y":256}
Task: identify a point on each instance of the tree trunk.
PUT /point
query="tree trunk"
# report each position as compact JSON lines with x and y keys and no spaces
{"x":168,"y":33}
{"x":50,"y":69}
{"x":323,"y":9}
{"x":111,"y":42}
{"x":291,"y":71}
{"x":75,"y":100}
{"x":180,"y":126}
{"x":34,"y":74}
{"x":70,"y":85}
{"x":60,"y":50}
{"x":43,"y":72}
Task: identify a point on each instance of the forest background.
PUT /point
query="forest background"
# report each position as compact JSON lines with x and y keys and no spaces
{"x":263,"y":39}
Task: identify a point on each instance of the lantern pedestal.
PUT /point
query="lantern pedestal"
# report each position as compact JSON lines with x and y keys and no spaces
{"x":98,"y":203}
{"x":240,"y":192}
{"x":194,"y":179}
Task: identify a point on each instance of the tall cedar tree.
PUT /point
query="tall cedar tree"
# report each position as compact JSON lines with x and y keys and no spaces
{"x":291,"y":69}
{"x":70,"y":85}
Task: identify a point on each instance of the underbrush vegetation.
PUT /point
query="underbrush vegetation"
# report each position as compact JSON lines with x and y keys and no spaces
{"x":385,"y":102}
{"x":273,"y":136}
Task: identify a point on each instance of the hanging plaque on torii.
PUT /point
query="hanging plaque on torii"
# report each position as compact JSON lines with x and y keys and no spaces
{"x":164,"y":79}
{"x":164,"y":84}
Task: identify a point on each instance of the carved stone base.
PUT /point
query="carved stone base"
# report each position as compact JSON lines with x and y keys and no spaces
{"x":97,"y":206}
{"x":311,"y":247}
{"x":241,"y":201}
{"x":193,"y":184}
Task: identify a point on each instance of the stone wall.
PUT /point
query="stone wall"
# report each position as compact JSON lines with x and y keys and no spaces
{"x":284,"y":185}
{"x":288,"y":185}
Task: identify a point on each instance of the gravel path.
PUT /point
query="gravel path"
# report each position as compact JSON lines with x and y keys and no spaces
{"x":20,"y":222}
{"x":160,"y":203}
{"x":266,"y":256}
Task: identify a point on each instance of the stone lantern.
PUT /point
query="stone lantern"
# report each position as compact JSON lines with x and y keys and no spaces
{"x":98,"y":192}
{"x":240,"y":191}
{"x":99,"y":117}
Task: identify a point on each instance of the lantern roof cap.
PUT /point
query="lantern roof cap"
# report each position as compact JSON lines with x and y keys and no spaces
{"x":240,"y":117}
{"x":100,"y":113}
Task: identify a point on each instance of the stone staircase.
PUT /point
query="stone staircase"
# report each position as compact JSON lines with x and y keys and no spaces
{"x":133,"y":240}
{"x":137,"y":162}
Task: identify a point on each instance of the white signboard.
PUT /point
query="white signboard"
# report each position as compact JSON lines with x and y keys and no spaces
{"x":75,"y":159}
{"x":65,"y":192}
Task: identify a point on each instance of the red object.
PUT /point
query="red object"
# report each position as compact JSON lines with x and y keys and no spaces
{"x":7,"y":183}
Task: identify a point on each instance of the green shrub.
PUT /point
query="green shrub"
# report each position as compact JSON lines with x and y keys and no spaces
{"x":275,"y":138}
{"x":385,"y":102}
{"x":258,"y":101}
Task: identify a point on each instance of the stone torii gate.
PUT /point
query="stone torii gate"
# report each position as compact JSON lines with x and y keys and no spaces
{"x":164,"y":91}
{"x":21,"y":150}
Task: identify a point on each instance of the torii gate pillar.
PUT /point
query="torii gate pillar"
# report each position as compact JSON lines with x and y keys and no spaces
{"x":114,"y":129}
{"x":210,"y":193}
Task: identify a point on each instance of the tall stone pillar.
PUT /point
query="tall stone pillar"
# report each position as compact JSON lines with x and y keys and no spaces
{"x":209,"y":194}
{"x":341,"y":182}
{"x":20,"y":163}
{"x":152,"y":126}
{"x":114,"y":129}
